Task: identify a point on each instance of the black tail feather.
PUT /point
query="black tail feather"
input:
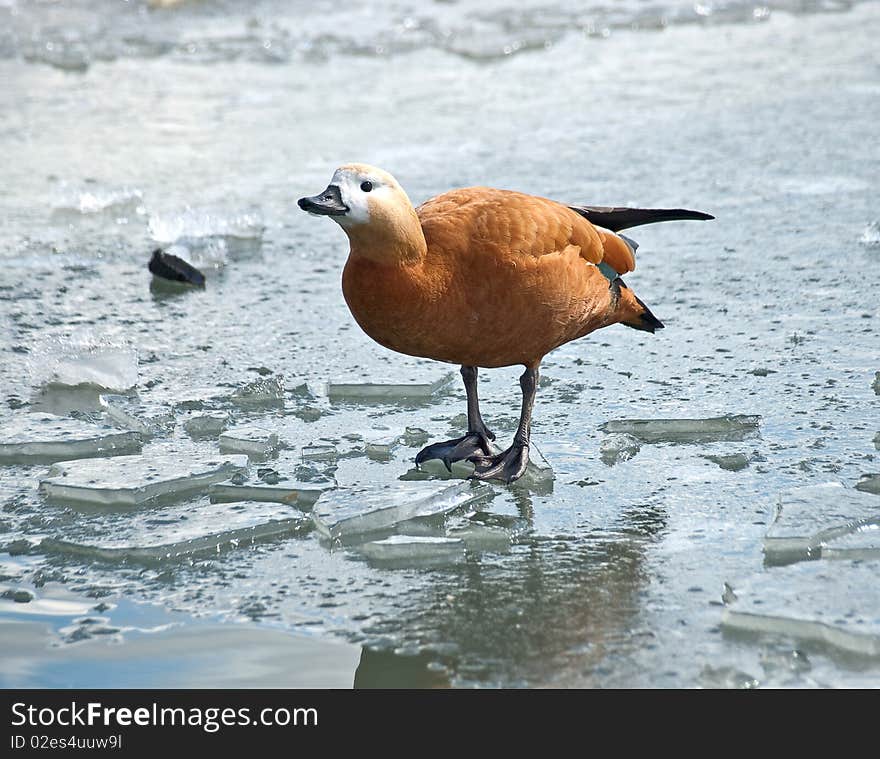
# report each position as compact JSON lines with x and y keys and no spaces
{"x":623,"y":218}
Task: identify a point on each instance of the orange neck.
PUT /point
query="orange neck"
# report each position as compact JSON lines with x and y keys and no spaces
{"x":392,"y":239}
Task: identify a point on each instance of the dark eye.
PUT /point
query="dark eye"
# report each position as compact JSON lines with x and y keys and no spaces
{"x":366,"y":186}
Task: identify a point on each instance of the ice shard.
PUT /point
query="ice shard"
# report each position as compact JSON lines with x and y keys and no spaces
{"x":252,"y":441}
{"x":265,"y":391}
{"x":45,"y":438}
{"x":300,"y":495}
{"x":403,"y":551}
{"x":729,"y":427}
{"x":618,"y":447}
{"x":869,"y":483}
{"x":388,"y":392}
{"x":136,"y":480}
{"x":85,"y":359}
{"x":206,"y":530}
{"x":832,"y":603}
{"x":343,"y":513}
{"x":808,"y":517}
{"x":206,"y":425}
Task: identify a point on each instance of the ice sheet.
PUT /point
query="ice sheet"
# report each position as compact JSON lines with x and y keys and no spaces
{"x":810,"y":516}
{"x":135,"y":480}
{"x":45,"y":438}
{"x":729,"y":427}
{"x":205,"y":530}
{"x":837,"y":604}
{"x":367,"y":391}
{"x":345,"y":513}
{"x":250,"y":440}
{"x":402,"y":551}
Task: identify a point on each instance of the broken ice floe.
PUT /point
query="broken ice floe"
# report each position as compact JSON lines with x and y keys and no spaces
{"x":729,"y":427}
{"x":402,"y":551}
{"x":538,"y":475}
{"x":302,"y":496}
{"x":482,"y":537}
{"x":125,"y":411}
{"x":85,"y":359}
{"x":367,"y":391}
{"x":206,"y":425}
{"x":807,"y":518}
{"x":255,"y":442}
{"x":833,"y":604}
{"x":341,"y":514}
{"x":869,"y":483}
{"x":863,"y":543}
{"x":44,"y":438}
{"x":203,"y":531}
{"x":618,"y":447}
{"x":135,"y":480}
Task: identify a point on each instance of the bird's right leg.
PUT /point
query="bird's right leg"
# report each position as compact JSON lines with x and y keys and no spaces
{"x":477,"y":441}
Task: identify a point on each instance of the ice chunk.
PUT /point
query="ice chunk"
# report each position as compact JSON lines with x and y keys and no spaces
{"x":300,"y":495}
{"x":381,"y":450}
{"x":730,"y":427}
{"x":85,"y":359}
{"x":483,"y":537}
{"x":734,"y":462}
{"x":265,"y":391}
{"x":253,"y":441}
{"x":135,"y":480}
{"x":863,"y":543}
{"x":206,"y":425}
{"x":124,"y":411}
{"x":831,"y":603}
{"x":44,"y":438}
{"x":413,"y":551}
{"x":238,"y":234}
{"x":208,"y":530}
{"x":343,"y":391}
{"x":876,"y":383}
{"x":538,"y":475}
{"x":618,"y":447}
{"x":869,"y":483}
{"x":415,"y":436}
{"x":871,"y":234}
{"x":319,"y":453}
{"x":94,"y":200}
{"x":809,"y":516}
{"x":355,"y":511}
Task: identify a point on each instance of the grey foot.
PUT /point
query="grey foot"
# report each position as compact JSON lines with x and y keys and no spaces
{"x":460,"y":449}
{"x":507,"y":466}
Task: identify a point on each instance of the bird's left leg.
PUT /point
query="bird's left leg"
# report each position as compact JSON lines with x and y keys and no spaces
{"x":477,"y":441}
{"x":511,"y":464}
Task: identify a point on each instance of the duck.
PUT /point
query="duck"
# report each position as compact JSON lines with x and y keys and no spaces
{"x":483,"y":278}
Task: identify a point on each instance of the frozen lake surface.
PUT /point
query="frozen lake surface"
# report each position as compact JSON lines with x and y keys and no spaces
{"x":640,"y":561}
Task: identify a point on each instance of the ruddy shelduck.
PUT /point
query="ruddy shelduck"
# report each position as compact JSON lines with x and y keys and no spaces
{"x":483,"y":278}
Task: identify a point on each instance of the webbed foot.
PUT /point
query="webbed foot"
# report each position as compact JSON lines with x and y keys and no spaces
{"x":506,"y":466}
{"x":460,"y":449}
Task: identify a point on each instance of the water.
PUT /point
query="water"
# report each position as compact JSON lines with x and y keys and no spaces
{"x":123,"y":128}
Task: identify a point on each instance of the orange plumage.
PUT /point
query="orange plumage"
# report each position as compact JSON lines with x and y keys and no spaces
{"x":517,"y":271}
{"x":482,"y":278}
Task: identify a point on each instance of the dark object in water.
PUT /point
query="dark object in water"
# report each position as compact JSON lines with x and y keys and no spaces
{"x":170,"y":267}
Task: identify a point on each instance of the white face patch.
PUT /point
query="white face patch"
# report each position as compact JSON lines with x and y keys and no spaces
{"x":351,"y":186}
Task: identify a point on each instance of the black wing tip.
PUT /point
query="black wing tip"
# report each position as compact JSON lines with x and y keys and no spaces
{"x":617,"y":219}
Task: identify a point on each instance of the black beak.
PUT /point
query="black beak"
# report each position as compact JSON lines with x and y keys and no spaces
{"x":328,"y":203}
